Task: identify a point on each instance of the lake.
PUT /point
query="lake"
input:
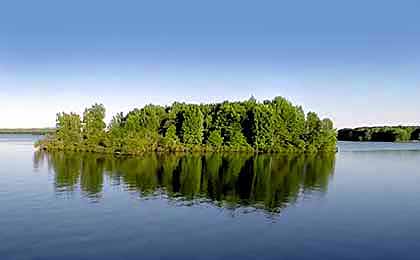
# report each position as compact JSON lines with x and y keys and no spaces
{"x":361,"y":203}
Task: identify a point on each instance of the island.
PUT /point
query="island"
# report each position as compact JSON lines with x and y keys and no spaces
{"x":270,"y":126}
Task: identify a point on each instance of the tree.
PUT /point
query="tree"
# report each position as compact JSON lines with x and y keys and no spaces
{"x":261,"y":119}
{"x":68,"y":129}
{"x":94,"y":126}
{"x":328,"y":136}
{"x":192,"y":125}
{"x":230,"y":118}
{"x":170,"y":140}
{"x":215,"y":139}
{"x":150,"y":117}
{"x":312,"y":131}
{"x":116,"y":132}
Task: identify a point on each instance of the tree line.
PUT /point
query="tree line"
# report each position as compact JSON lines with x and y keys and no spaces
{"x":269,"y":126}
{"x":380,"y":134}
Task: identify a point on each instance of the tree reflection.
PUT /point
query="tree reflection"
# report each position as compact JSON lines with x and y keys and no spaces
{"x":264,"y":181}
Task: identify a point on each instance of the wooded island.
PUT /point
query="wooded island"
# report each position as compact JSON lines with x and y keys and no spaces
{"x":249,"y":126}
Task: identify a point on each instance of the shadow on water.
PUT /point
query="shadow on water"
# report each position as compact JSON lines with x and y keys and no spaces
{"x":268,"y":182}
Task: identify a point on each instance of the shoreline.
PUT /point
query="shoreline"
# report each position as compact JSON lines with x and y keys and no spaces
{"x":185,"y":151}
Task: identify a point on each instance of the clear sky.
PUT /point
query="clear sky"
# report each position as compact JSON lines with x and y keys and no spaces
{"x":357,"y":61}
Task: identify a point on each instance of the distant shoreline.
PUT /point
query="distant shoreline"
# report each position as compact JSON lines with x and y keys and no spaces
{"x":32,"y":131}
{"x":395,"y":142}
{"x":400,"y":134}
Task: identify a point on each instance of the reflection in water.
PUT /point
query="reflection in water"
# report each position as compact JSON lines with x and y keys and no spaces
{"x":270,"y":182}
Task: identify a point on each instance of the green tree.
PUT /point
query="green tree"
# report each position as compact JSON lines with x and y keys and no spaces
{"x":262,"y":127}
{"x":192,"y":125}
{"x":328,"y":136}
{"x":312,"y":132}
{"x":171,"y":140}
{"x":116,"y":133}
{"x":215,"y":139}
{"x":94,"y":126}
{"x":68,"y":129}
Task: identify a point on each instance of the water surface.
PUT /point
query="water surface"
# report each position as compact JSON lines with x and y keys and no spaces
{"x":362,"y":203}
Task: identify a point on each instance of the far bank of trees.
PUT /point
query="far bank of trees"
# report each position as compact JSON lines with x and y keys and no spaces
{"x":269,"y":126}
{"x":381,"y":134}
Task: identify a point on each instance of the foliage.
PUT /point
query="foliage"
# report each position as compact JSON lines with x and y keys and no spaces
{"x":68,"y":129}
{"x":269,"y":126}
{"x":215,"y":139}
{"x":93,"y":126}
{"x":171,"y":140}
{"x":192,"y":125}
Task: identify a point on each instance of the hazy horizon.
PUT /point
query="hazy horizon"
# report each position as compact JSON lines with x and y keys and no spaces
{"x":355,"y":62}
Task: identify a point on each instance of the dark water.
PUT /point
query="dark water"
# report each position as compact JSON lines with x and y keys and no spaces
{"x":362,"y":203}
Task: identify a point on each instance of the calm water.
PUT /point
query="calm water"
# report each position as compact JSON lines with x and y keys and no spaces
{"x":362,"y":203}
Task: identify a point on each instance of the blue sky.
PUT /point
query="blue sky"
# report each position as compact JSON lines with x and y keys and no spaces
{"x":357,"y":62}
